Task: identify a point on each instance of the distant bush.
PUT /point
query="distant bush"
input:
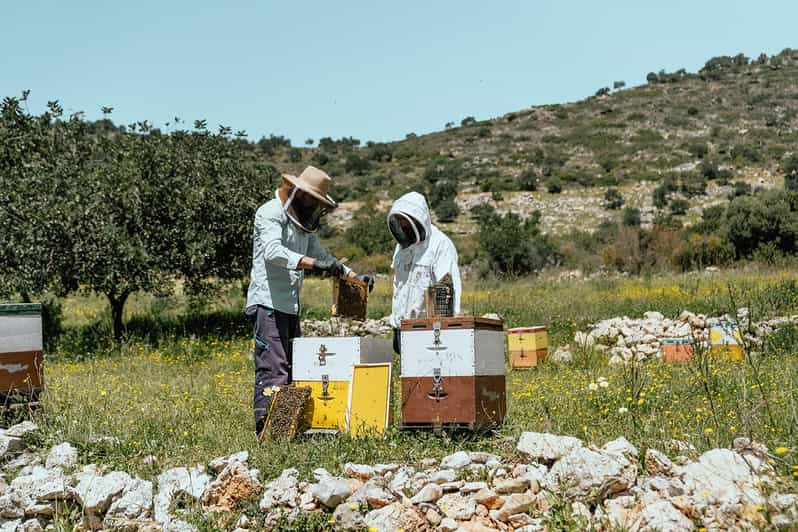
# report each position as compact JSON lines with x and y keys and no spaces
{"x":679,"y":206}
{"x":712,"y":220}
{"x":603,"y":91}
{"x":701,"y":251}
{"x":468,"y":121}
{"x":751,"y":221}
{"x":790,"y":169}
{"x":740,"y":188}
{"x":698,"y":149}
{"x":695,"y":186}
{"x":447,"y":210}
{"x":746,"y":152}
{"x":554,"y":185}
{"x":381,"y":153}
{"x":355,"y":164}
{"x":320,"y":158}
{"x":692,"y":111}
{"x":631,"y":217}
{"x":528,"y":180}
{"x":618,"y":85}
{"x":369,"y":231}
{"x":512,"y":245}
{"x":613,"y":200}
{"x":484,"y":132}
{"x":660,"y":196}
{"x":294,"y":155}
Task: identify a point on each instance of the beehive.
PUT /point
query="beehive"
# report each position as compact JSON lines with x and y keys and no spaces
{"x":676,"y":350}
{"x":527,"y":346}
{"x":21,"y":356}
{"x":370,"y":400}
{"x":327,"y":367}
{"x":725,"y":340}
{"x":453,"y":373}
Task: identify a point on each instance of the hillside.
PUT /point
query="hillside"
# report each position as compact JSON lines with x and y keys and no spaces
{"x":733,"y":120}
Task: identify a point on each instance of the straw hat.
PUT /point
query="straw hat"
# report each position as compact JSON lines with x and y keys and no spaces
{"x":315,"y":182}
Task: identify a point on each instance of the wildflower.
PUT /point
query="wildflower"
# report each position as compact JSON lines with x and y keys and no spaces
{"x":185,"y":433}
{"x":708,"y":430}
{"x":623,"y":410}
{"x":604,"y":384}
{"x":352,"y":506}
{"x":271,"y":391}
{"x":331,"y":520}
{"x":593,"y":386}
{"x":780,"y":450}
{"x":640,"y":401}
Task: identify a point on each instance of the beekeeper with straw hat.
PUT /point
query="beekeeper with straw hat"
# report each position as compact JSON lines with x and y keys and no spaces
{"x":285,"y":245}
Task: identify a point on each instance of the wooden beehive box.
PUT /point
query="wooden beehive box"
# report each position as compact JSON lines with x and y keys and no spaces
{"x":21,"y":355}
{"x":327,"y":367}
{"x":350,"y":299}
{"x":725,"y":340}
{"x":676,"y":350}
{"x":453,"y":373}
{"x":527,"y":346}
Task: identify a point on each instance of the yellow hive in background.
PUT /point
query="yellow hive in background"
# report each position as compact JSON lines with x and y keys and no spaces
{"x":369,"y":409}
{"x":527,"y":346}
{"x":725,"y":340}
{"x":326,"y":408}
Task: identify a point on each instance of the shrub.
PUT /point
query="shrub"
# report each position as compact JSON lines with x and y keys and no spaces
{"x":447,"y":210}
{"x":631,"y":217}
{"x":484,"y":132}
{"x":751,"y":221}
{"x":660,"y":196}
{"x":320,"y":158}
{"x":746,"y":152}
{"x":381,"y":153}
{"x":603,"y":91}
{"x":790,"y":169}
{"x":740,"y":188}
{"x":440,"y":192}
{"x":512,"y":245}
{"x":679,"y":206}
{"x":528,"y":181}
{"x":695,"y":186}
{"x":712,"y":220}
{"x":294,"y":155}
{"x":701,"y":251}
{"x":355,"y":164}
{"x":468,"y":121}
{"x":554,"y":185}
{"x":613,"y":200}
{"x":369,"y":230}
{"x":699,"y":149}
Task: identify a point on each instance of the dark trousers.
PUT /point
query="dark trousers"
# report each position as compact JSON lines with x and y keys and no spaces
{"x":274,"y":332}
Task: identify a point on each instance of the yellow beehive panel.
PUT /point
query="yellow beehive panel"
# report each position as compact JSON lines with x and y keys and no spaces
{"x":326,"y":410}
{"x":371,"y":397}
{"x":726,"y":341}
{"x":527,"y":340}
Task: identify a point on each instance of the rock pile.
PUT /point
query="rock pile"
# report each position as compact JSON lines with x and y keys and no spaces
{"x":345,"y":327}
{"x":625,"y":339}
{"x":607,"y":488}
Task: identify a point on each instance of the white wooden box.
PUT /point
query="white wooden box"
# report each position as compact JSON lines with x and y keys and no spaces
{"x":336,"y":357}
{"x":21,"y":356}
{"x":20,"y":332}
{"x":452,"y":347}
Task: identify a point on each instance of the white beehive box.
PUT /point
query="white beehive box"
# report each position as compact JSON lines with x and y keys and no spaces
{"x":21,"y":357}
{"x":456,"y":347}
{"x":336,"y":357}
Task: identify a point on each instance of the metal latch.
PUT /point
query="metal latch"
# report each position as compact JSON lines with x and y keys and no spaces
{"x":437,"y":345}
{"x":323,"y":354}
{"x":325,"y":386}
{"x":438,"y":392}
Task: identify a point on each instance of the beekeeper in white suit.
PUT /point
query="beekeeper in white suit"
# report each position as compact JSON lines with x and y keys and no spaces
{"x":423,"y":256}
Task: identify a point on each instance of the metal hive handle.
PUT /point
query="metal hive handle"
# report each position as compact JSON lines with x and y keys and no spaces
{"x":437,"y":392}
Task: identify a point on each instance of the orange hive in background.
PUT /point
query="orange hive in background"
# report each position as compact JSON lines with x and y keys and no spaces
{"x":527,"y":346}
{"x":676,"y":350}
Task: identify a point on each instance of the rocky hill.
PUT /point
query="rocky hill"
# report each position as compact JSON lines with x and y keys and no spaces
{"x":734,"y":120}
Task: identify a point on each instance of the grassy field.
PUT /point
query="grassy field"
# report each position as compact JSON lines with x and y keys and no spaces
{"x":180,"y":389}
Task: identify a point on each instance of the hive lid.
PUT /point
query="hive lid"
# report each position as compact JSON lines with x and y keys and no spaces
{"x":7,"y":309}
{"x":533,"y":329}
{"x":460,"y":322}
{"x":677,"y":341}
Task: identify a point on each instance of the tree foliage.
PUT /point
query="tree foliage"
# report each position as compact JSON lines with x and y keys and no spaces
{"x":512,"y":245}
{"x":117,"y":211}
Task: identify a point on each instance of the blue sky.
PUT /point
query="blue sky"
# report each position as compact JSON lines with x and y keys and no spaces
{"x":373,"y":70}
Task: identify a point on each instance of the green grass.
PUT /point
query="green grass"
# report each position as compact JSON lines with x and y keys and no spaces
{"x":184,"y":394}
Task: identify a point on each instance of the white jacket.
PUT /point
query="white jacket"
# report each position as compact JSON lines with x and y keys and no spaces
{"x":422,"y":264}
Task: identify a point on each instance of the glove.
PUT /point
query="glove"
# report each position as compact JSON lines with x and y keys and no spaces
{"x":330,"y":268}
{"x":368,"y":280}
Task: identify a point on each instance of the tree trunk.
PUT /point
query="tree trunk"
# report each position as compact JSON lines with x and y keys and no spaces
{"x":25,"y":297}
{"x":117,"y":310}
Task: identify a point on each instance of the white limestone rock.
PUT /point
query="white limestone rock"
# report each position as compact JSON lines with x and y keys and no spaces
{"x":546,"y":447}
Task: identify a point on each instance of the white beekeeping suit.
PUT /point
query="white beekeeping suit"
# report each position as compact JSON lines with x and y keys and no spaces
{"x":423,"y":256}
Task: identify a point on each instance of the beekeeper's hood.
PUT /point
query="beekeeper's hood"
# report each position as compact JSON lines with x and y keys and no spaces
{"x":409,"y":220}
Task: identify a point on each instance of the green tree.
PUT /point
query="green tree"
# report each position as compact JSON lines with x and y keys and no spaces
{"x":790,"y":169}
{"x":528,"y":180}
{"x":512,"y":245}
{"x":369,"y":230}
{"x":355,"y":164}
{"x":752,"y":221}
{"x":660,"y":196}
{"x":554,"y":185}
{"x":679,"y":206}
